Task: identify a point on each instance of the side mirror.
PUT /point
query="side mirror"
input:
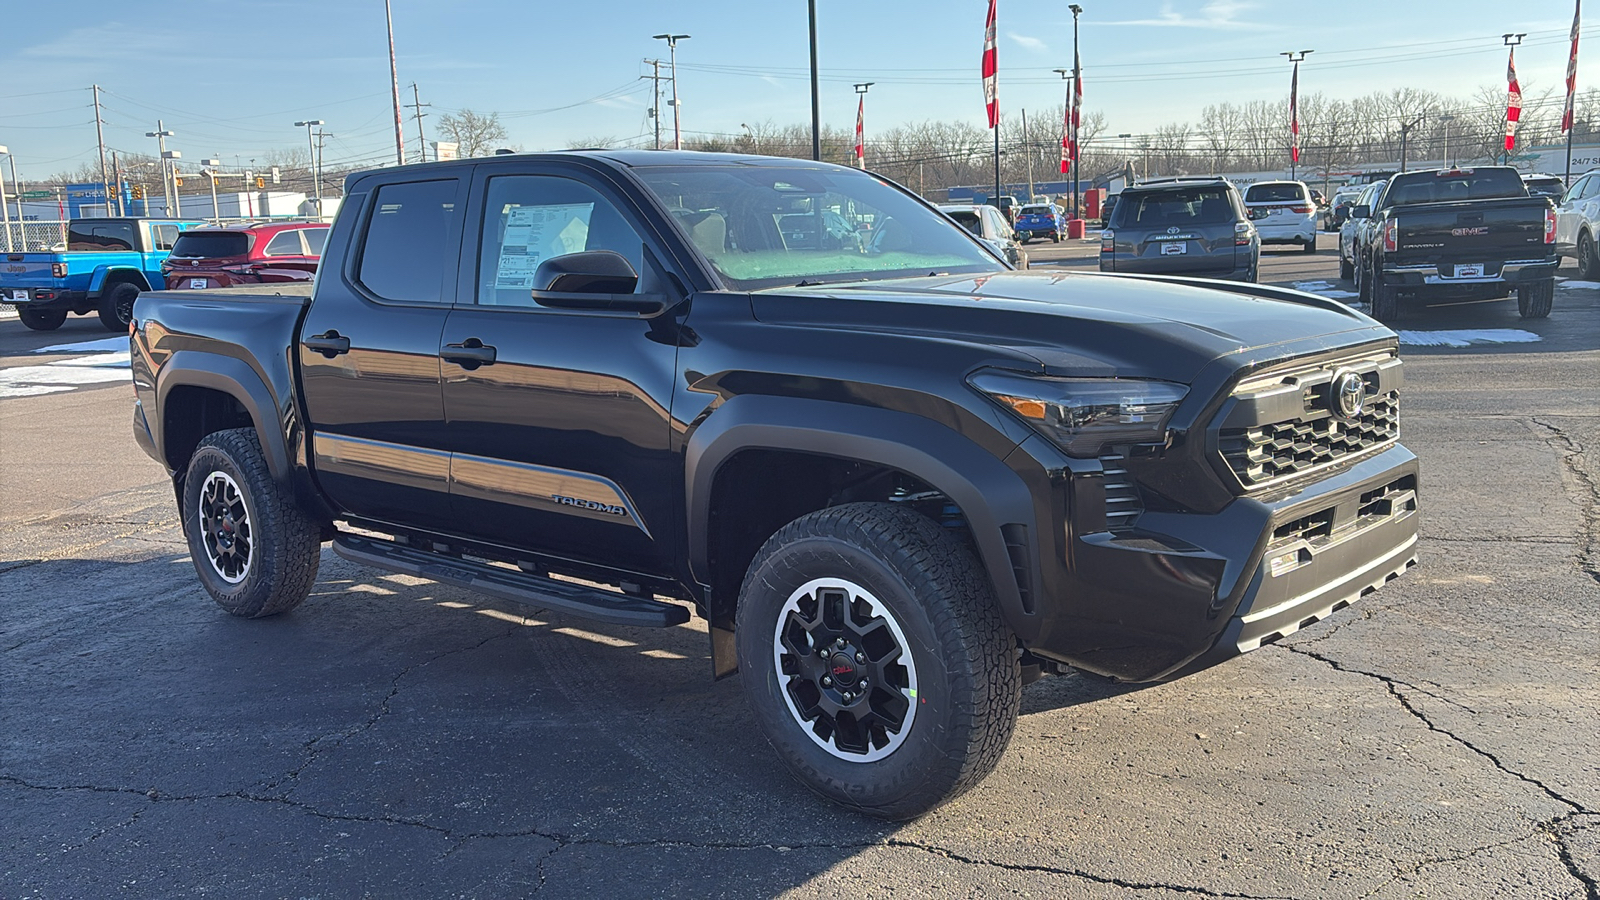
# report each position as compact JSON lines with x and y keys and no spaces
{"x":1361,"y":212}
{"x":588,"y":272}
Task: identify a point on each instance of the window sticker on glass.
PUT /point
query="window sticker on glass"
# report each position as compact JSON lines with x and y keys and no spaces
{"x":536,"y":233}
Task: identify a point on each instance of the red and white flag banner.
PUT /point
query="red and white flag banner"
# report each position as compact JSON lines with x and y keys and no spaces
{"x":1572,"y":69}
{"x":1294,"y":115}
{"x":861,"y":157}
{"x":991,"y":70}
{"x":1513,"y":101}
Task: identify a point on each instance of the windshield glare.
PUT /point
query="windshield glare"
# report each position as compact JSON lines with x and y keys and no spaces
{"x":765,"y":227}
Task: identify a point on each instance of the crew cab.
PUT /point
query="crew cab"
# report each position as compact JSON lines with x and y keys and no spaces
{"x":897,"y":478}
{"x":1457,"y":234}
{"x":107,"y":262}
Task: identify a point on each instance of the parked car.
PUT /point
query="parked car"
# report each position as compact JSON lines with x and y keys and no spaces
{"x":1545,"y":186}
{"x":1041,"y":221}
{"x":896,"y":483}
{"x":990,"y":226}
{"x":1343,"y":199}
{"x":244,"y":254}
{"x":1187,"y":227}
{"x":102,"y":269}
{"x":1283,"y":213}
{"x":1007,"y":205}
{"x":1578,"y":224}
{"x":1467,"y":234}
{"x":1351,"y":233}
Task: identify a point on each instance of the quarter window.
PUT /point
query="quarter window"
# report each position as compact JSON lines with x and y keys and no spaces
{"x":165,"y":236}
{"x":528,"y":219}
{"x":286,"y":243}
{"x":316,"y":239}
{"x":403,"y":254}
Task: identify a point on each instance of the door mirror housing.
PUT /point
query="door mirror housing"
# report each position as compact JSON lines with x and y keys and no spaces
{"x":1361,"y":212}
{"x":588,"y":272}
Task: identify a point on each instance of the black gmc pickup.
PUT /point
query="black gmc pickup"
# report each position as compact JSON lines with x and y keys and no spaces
{"x":1462,"y":234}
{"x":896,"y":477}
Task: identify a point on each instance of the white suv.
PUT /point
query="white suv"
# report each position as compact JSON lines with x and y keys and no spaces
{"x":1283,"y":213}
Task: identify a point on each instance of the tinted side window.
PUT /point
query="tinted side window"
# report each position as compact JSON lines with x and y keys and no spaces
{"x":83,"y":235}
{"x":285,"y":243}
{"x":316,"y":238}
{"x":163,"y":236}
{"x":528,"y":219}
{"x":403,"y":254}
{"x":1590,"y":189}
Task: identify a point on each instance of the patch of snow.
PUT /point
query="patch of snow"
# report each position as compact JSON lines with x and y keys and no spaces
{"x":1574,"y":283}
{"x":1467,"y":337}
{"x":104,"y":345}
{"x":1313,"y":286}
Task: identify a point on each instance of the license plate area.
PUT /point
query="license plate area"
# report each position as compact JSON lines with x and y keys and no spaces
{"x":19,"y":296}
{"x":1469,"y":270}
{"x":1174,"y":248}
{"x":199,"y":284}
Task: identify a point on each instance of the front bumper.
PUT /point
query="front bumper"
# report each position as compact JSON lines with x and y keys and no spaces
{"x":1183,"y":591}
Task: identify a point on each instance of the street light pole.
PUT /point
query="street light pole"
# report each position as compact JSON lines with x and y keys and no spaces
{"x":5,"y":207}
{"x":161,"y":134}
{"x":1447,"y":119}
{"x":1295,"y":56}
{"x":816,"y":108}
{"x":394,"y":84}
{"x":311,"y":159}
{"x":1405,"y":134}
{"x":210,"y":171}
{"x":672,"y":57}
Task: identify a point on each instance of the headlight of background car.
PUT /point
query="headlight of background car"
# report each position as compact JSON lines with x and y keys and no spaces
{"x":1083,"y":415}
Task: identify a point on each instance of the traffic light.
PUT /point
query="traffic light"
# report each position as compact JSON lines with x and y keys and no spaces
{"x":260,"y":182}
{"x":178,"y":181}
{"x":138,"y":192}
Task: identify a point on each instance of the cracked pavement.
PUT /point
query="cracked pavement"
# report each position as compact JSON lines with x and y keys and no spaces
{"x":396,"y":738}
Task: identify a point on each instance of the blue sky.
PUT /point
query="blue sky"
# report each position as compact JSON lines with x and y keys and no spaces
{"x":230,"y":78}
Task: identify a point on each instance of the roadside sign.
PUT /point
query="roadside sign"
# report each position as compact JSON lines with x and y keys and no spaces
{"x":36,"y":195}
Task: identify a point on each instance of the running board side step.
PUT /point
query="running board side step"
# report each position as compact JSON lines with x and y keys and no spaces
{"x":545,"y":593}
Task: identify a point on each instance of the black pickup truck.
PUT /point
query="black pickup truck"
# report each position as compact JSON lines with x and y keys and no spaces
{"x":1457,"y":234}
{"x":896,"y":478}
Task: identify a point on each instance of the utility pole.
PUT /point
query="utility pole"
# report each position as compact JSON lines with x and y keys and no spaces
{"x":311,"y":158}
{"x":99,"y":133}
{"x":1027,"y":149}
{"x":422,"y":141}
{"x":321,"y":136}
{"x":672,"y":56}
{"x":816,"y":109}
{"x":394,"y":82}
{"x":1447,"y":119}
{"x":161,"y":134}
{"x":210,"y":171}
{"x":5,"y":209}
{"x":116,"y":180}
{"x":1405,"y":133}
{"x":655,"y":109}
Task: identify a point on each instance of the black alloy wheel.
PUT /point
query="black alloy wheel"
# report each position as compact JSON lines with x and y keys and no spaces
{"x":116,"y":306}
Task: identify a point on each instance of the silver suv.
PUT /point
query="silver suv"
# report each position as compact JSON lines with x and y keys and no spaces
{"x":1184,"y":227}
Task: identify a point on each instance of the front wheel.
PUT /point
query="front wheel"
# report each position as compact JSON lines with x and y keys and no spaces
{"x":116,"y":306}
{"x":1535,"y":298}
{"x":255,"y":551}
{"x":42,"y":319}
{"x":1588,"y":265}
{"x":875,"y":659}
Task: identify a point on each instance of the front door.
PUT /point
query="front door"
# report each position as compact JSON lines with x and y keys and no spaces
{"x":369,"y":354}
{"x":559,"y":419}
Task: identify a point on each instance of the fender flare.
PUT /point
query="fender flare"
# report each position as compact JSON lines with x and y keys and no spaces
{"x":234,"y":377}
{"x":998,"y":505}
{"x":103,"y":274}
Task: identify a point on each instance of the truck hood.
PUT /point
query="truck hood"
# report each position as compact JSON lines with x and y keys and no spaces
{"x":1082,"y":324}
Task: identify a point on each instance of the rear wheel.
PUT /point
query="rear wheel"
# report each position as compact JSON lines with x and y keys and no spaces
{"x":116,"y":306}
{"x":875,"y":659}
{"x":1385,"y":300}
{"x":1535,"y":298}
{"x":1347,"y":269}
{"x":1310,"y":245}
{"x":42,"y":319}
{"x":1363,"y":282}
{"x":255,"y":551}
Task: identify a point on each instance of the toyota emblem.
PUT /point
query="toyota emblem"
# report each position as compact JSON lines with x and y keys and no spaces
{"x":1349,"y":395}
{"x":1172,"y":229}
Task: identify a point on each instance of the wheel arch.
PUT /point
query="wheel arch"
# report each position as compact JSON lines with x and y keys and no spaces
{"x":106,"y":277}
{"x":200,"y":393}
{"x":993,"y":500}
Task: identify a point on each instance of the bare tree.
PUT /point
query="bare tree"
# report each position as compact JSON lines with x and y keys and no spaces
{"x":475,"y":134}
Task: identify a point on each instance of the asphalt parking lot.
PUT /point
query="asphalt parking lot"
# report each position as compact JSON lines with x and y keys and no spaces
{"x":396,"y":738}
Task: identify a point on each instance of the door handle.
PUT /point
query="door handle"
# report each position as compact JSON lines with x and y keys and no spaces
{"x":330,"y":343}
{"x":469,"y":354}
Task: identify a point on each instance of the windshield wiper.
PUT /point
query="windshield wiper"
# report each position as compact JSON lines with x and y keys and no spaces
{"x":808,"y":283}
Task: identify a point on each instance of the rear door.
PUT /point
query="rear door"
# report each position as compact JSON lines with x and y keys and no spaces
{"x":558,"y":418}
{"x":369,"y":353}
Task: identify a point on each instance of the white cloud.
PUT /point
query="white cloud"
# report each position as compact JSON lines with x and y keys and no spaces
{"x":1215,"y":14}
{"x":1028,"y":43}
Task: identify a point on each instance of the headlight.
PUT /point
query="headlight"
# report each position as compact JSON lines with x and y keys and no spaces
{"x":1083,"y":415}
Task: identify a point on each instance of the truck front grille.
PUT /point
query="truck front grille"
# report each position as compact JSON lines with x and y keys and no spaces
{"x":1282,"y":425}
{"x":1122,"y":498}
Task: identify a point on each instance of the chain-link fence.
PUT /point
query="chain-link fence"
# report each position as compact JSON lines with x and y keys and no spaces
{"x":32,"y":236}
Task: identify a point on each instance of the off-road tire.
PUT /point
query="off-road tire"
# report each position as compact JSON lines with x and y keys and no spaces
{"x":116,"y":306}
{"x":1363,"y":281}
{"x":1385,"y":301}
{"x":1588,"y":265}
{"x":968,"y":680}
{"x":1347,"y":269}
{"x":284,"y":545}
{"x":42,"y":319}
{"x":1535,"y":298}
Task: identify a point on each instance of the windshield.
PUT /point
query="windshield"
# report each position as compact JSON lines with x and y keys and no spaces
{"x":1036,"y":210}
{"x":763,"y":227}
{"x":1448,"y":185}
{"x":1274,"y":193}
{"x":1183,"y":207}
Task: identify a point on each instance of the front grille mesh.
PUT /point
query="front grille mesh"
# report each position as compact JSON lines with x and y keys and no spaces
{"x":1312,"y":438}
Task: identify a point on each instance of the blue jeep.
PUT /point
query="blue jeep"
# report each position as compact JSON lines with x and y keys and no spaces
{"x":1041,"y":220}
{"x":105,"y":265}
